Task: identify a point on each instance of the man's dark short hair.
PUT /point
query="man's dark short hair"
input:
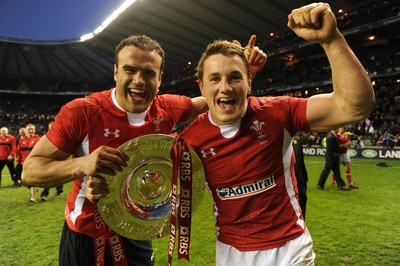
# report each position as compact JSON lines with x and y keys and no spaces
{"x":142,"y":42}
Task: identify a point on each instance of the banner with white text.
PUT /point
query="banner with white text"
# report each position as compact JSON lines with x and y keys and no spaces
{"x":365,"y":153}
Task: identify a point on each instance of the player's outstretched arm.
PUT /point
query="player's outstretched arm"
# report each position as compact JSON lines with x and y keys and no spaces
{"x":48,"y":166}
{"x":353,"y":97}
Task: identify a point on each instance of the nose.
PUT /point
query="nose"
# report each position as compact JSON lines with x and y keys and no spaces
{"x":225,"y":85}
{"x":138,"y":78}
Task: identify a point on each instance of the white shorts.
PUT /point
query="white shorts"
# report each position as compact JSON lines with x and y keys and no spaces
{"x":295,"y":252}
{"x":345,"y":158}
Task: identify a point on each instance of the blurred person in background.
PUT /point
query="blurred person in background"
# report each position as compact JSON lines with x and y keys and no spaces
{"x":24,"y":148}
{"x":18,"y":167}
{"x":332,"y":162}
{"x":8,"y":148}
{"x":344,"y":144}
{"x":21,"y":134}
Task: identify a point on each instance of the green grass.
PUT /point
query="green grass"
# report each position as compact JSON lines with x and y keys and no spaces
{"x":360,"y":227}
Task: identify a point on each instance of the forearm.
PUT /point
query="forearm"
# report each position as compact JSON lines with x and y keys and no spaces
{"x":352,"y":86}
{"x":44,"y":172}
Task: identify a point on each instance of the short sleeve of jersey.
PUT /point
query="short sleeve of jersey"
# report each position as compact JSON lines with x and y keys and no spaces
{"x":289,"y":109}
{"x":298,"y":108}
{"x":69,"y":128}
{"x":179,"y":107}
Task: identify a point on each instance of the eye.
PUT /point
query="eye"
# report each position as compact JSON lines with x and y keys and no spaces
{"x":214,"y":79}
{"x":149,"y":74}
{"x":130,"y":70}
{"x":236,"y":77}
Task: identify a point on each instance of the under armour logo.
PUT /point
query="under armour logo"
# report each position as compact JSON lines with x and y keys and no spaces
{"x":204,"y":153}
{"x":108,"y":132}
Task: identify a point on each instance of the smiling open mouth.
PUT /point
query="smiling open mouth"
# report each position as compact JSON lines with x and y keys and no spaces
{"x":137,"y":93}
{"x":225,"y":103}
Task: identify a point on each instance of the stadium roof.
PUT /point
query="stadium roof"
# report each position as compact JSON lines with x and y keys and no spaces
{"x":183,"y":27}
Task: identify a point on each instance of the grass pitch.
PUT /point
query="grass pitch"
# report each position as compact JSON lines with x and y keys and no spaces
{"x":359,"y":227}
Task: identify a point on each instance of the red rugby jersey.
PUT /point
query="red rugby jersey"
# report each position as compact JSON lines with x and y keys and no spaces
{"x":250,"y":174}
{"x":87,"y":123}
{"x":25,"y":146}
{"x":8,"y":146}
{"x":342,"y":140}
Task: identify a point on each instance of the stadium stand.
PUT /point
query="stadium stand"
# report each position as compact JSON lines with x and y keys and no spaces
{"x":290,"y":62}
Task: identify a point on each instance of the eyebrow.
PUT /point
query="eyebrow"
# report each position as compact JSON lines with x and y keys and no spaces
{"x":147,"y":69}
{"x":236,"y":72}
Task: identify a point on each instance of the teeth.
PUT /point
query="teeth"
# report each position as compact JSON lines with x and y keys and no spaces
{"x":137,"y":91}
{"x":225,"y":99}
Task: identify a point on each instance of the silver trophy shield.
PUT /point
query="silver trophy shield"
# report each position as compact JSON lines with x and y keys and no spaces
{"x":139,"y":203}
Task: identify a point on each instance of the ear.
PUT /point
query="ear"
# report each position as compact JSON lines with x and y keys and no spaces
{"x":201,"y":86}
{"x":249,"y":89}
{"x":159,"y":81}
{"x":115,"y":72}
